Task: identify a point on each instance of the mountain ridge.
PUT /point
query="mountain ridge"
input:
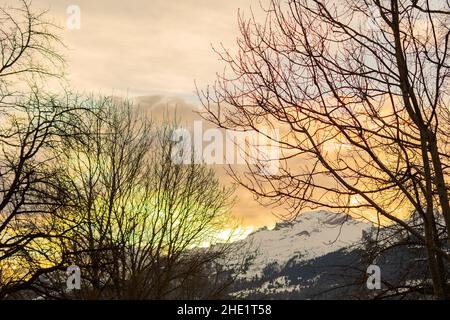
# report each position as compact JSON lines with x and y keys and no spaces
{"x":311,"y":235}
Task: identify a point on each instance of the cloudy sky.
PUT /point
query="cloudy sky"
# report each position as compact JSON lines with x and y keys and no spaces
{"x":146,"y":47}
{"x":154,"y":49}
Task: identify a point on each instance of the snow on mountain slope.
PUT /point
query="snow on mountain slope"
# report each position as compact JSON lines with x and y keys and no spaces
{"x":312,"y":234}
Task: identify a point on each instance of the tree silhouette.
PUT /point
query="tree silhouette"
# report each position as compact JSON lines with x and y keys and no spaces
{"x":360,"y":91}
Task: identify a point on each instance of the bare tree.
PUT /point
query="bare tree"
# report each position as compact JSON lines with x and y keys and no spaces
{"x":138,"y":215}
{"x":29,"y":52}
{"x":31,"y":124}
{"x":360,"y":90}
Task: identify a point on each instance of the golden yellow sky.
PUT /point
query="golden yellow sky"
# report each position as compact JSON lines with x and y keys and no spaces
{"x":154,"y":50}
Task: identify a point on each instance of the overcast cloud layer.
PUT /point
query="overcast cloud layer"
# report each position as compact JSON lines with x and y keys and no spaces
{"x":154,"y":49}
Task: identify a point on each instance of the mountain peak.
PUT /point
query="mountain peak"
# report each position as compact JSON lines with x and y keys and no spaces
{"x":310,"y":235}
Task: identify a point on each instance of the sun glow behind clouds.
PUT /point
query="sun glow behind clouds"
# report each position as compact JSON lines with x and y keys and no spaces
{"x":236,"y":234}
{"x":229,"y":235}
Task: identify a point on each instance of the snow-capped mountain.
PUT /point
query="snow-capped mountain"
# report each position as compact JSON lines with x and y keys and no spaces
{"x":319,"y":255}
{"x":310,"y":235}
